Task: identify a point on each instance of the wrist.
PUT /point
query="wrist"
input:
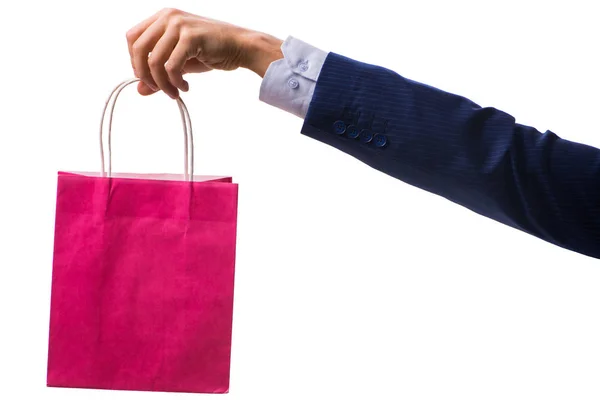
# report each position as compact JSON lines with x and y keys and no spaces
{"x":260,"y":50}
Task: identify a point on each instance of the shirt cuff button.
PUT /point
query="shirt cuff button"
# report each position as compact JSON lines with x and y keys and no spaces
{"x":303,"y":66}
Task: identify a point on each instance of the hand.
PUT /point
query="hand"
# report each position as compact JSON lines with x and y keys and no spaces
{"x":172,"y":43}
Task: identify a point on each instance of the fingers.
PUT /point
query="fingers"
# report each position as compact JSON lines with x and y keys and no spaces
{"x":134,"y":34}
{"x":142,"y":47}
{"x":176,"y":62}
{"x":160,"y":54}
{"x":167,"y":45}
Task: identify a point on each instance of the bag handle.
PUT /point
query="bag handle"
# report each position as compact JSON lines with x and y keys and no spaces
{"x":187,"y":132}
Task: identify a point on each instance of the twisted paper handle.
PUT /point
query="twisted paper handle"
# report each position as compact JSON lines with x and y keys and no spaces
{"x":187,"y":132}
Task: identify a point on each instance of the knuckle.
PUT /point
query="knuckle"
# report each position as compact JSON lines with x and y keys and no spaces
{"x":154,"y":62}
{"x":187,"y":38}
{"x":130,"y":36}
{"x":184,"y":35}
{"x":137,"y":47}
{"x":169,"y":12}
{"x":171,"y":68}
{"x":176,"y":21}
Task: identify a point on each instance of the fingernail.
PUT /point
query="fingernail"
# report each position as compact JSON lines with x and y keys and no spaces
{"x":186,"y":86}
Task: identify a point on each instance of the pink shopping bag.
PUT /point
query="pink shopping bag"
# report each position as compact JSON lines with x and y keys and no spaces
{"x":143,"y":276}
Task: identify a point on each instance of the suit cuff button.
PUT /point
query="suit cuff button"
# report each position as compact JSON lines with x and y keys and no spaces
{"x":366,"y":136}
{"x":339,"y":127}
{"x":380,"y":140}
{"x":352,"y":132}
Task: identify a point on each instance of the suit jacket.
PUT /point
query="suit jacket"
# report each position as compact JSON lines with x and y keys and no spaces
{"x":477,"y":157}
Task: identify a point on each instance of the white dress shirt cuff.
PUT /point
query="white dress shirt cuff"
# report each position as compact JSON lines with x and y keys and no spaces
{"x":289,"y":83}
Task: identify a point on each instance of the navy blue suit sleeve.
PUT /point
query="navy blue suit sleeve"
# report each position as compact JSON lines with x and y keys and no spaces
{"x":478,"y":157}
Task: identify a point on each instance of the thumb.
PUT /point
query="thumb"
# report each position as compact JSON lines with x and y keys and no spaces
{"x":144,"y":89}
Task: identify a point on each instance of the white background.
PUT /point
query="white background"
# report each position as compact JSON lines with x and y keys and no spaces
{"x":349,"y":283}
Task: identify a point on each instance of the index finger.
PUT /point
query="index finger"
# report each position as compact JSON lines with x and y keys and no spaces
{"x":134,"y":33}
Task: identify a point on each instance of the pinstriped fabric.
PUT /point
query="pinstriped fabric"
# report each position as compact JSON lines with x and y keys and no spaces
{"x":478,"y":157}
